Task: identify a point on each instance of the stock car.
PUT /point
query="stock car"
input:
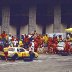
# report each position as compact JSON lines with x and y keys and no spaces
{"x":18,"y":53}
{"x":60,"y":49}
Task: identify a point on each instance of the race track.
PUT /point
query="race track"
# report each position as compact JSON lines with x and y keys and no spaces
{"x":45,"y":63}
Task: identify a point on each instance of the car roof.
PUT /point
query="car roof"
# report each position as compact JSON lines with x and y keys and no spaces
{"x":16,"y":47}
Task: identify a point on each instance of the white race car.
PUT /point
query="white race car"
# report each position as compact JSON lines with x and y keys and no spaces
{"x":60,"y":49}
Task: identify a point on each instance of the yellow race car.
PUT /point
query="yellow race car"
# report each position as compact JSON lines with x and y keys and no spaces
{"x":18,"y":53}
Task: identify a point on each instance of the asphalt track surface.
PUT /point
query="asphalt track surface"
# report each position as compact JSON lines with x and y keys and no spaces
{"x":45,"y":63}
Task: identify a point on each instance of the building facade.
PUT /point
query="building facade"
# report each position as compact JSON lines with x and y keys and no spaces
{"x":22,"y":17}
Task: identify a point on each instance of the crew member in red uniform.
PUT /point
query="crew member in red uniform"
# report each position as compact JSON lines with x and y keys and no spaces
{"x":26,"y":42}
{"x":54,"y":46}
{"x":13,"y":38}
{"x":50,"y":45}
{"x":35,"y":46}
{"x":67,"y":47}
{"x":3,"y":35}
{"x":6,"y":52}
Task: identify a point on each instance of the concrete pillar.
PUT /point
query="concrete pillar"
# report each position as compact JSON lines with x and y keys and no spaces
{"x":39,"y":29}
{"x":32,"y":19}
{"x":5,"y":19}
{"x":24,"y":29}
{"x":49,"y":28}
{"x":57,"y":18}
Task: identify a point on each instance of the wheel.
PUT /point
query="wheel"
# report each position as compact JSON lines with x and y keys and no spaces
{"x":30,"y":58}
{"x":32,"y":55}
{"x":2,"y":58}
{"x":15,"y":57}
{"x":64,"y":54}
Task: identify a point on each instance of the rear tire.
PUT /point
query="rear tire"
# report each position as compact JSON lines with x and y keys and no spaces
{"x":15,"y":57}
{"x":2,"y":58}
{"x":30,"y":58}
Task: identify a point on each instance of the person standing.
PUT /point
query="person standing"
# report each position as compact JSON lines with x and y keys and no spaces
{"x":15,"y":42}
{"x":32,"y":46}
{"x":67,"y":47}
{"x":5,"y":49}
{"x":35,"y":46}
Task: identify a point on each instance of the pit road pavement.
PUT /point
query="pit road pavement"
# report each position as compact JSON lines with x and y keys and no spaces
{"x":45,"y":63}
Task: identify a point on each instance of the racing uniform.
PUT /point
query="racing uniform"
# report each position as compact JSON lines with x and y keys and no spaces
{"x":54,"y":46}
{"x":6,"y":53}
{"x":67,"y":47}
{"x":50,"y":45}
{"x":35,"y":46}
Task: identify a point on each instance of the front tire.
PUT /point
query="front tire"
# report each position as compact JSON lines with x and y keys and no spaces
{"x":15,"y":57}
{"x":2,"y":58}
{"x":30,"y":58}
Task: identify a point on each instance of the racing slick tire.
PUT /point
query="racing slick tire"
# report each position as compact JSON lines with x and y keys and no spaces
{"x":64,"y":53}
{"x":15,"y":57}
{"x":30,"y":58}
{"x":2,"y":57}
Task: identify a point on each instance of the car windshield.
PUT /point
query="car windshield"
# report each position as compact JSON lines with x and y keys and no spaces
{"x":21,"y":50}
{"x":11,"y":49}
{"x":61,"y":44}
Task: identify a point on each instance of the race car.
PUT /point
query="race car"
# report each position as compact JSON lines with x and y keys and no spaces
{"x":61,"y":50}
{"x":61,"y":46}
{"x":18,"y":53}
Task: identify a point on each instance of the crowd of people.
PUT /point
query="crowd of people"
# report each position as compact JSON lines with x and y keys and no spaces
{"x":33,"y":42}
